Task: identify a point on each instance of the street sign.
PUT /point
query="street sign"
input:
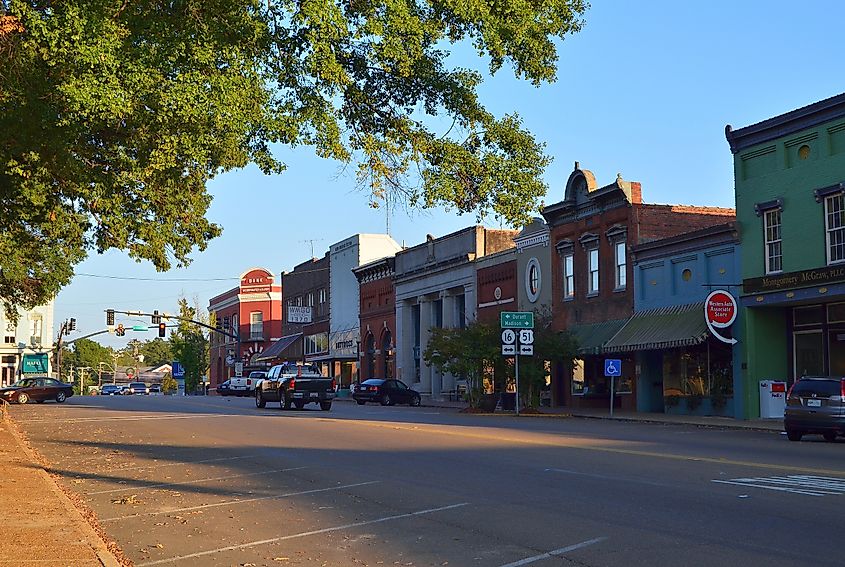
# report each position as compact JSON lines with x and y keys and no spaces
{"x":517,"y":319}
{"x":177,"y":370}
{"x":239,"y":369}
{"x":526,"y":350}
{"x":139,"y":327}
{"x":612,"y":367}
{"x":508,"y":350}
{"x":526,"y":337}
{"x":508,"y":337}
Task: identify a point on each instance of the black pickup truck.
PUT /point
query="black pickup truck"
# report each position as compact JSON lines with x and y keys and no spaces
{"x":291,"y":384}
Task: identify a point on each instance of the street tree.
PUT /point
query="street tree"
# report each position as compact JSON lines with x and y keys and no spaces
{"x":114,"y":115}
{"x":85,"y":353}
{"x":550,"y":347}
{"x":156,"y":352}
{"x":190,"y":343}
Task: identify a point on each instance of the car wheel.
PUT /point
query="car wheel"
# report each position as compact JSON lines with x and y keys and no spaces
{"x":325,"y":406}
{"x":794,"y":435}
{"x":829,"y":436}
{"x":361,"y":402}
{"x":415,"y":401}
{"x":23,"y":398}
{"x":259,"y":399}
{"x":385,"y":400}
{"x":299,"y":404}
{"x":61,"y":397}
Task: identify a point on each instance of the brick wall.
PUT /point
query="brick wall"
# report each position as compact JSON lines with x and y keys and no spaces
{"x":662,"y":221}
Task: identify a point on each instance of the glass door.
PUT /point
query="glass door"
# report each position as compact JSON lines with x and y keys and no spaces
{"x":809,"y":353}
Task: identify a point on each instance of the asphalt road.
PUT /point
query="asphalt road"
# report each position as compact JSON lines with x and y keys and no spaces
{"x":215,"y":481}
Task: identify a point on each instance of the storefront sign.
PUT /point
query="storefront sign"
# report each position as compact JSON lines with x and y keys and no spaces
{"x":720,"y":309}
{"x":299,"y":314}
{"x":256,"y":281}
{"x":35,"y":364}
{"x":794,"y":279}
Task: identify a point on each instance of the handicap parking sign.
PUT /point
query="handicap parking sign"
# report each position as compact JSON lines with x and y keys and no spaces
{"x":612,"y":367}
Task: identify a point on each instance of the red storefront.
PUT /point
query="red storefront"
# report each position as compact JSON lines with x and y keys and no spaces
{"x":377,"y":315}
{"x":252,"y":312}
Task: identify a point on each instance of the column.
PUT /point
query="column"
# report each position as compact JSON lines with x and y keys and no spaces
{"x":449,"y":322}
{"x":404,"y":343}
{"x":425,"y":334}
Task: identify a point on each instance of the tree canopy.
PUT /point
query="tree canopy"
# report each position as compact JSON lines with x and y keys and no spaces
{"x":189,"y":344}
{"x":115,"y":114}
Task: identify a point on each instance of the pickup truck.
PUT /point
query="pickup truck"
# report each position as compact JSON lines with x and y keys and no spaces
{"x":291,"y":384}
{"x":245,"y":385}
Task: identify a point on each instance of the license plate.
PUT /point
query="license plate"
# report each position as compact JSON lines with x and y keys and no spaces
{"x":814,"y":403}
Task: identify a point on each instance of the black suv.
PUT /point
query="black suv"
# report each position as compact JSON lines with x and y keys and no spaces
{"x":815,"y":404}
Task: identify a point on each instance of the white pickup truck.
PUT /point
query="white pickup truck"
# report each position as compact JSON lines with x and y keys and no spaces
{"x":245,"y":385}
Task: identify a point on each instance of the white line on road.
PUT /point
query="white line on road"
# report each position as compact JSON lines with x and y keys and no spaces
{"x":807,"y":485}
{"x":303,"y":534}
{"x":555,"y":553}
{"x":243,"y":501}
{"x":125,"y":488}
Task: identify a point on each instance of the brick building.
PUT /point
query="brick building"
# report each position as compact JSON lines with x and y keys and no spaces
{"x":377,"y":314}
{"x":496,"y":285}
{"x":592,"y":231}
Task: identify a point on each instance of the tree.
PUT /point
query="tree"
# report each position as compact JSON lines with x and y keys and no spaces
{"x":114,"y":115}
{"x":190,"y":344}
{"x":88,"y":354}
{"x":156,"y":352}
{"x":169,"y":384}
{"x":549,"y":346}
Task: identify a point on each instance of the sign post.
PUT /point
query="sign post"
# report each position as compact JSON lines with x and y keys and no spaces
{"x":524,"y":321}
{"x":612,"y":369}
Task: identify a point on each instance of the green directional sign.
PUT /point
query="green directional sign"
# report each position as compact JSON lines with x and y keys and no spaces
{"x":139,"y":327}
{"x":517,"y":319}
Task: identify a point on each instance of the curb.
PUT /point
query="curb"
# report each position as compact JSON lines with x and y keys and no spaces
{"x":107,"y":559}
{"x":738,"y":427}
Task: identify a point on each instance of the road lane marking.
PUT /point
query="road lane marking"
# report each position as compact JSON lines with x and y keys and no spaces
{"x":555,"y":553}
{"x":807,"y":485}
{"x":303,"y":534}
{"x":136,"y":488}
{"x":243,"y":501}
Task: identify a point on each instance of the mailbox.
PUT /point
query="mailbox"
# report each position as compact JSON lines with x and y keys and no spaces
{"x":772,"y":399}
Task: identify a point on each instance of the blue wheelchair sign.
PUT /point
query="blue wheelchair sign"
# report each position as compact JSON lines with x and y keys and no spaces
{"x":612,"y":367}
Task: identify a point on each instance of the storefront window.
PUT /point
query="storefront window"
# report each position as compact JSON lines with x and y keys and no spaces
{"x":837,"y":352}
{"x":809,"y":353}
{"x":704,"y":370}
{"x":805,"y":316}
{"x":836,"y":313}
{"x":578,"y":385}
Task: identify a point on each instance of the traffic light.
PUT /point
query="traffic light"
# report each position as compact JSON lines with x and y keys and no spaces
{"x":156,"y":317}
{"x":162,"y":329}
{"x":72,"y":324}
{"x":110,"y":317}
{"x":120,"y":331}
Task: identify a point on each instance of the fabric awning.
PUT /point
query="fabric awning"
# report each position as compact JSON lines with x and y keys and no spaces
{"x":592,"y":337}
{"x":655,"y":329}
{"x":281,"y":347}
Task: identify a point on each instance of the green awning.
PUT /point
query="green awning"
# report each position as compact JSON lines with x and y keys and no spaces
{"x":591,"y":338}
{"x":35,"y":364}
{"x":655,"y":329}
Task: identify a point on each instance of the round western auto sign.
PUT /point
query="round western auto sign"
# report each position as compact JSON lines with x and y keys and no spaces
{"x":720,"y":309}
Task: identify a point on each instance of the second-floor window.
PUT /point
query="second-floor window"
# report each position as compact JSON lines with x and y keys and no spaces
{"x":834,"y":221}
{"x":256,"y":325}
{"x":621,"y":264}
{"x":299,"y":301}
{"x":568,"y":276}
{"x":321,"y":295}
{"x":35,"y":324}
{"x":309,"y":300}
{"x":592,"y":271}
{"x":774,"y":244}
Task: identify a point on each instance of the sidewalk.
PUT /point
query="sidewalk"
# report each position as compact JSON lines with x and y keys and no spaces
{"x":41,"y":526}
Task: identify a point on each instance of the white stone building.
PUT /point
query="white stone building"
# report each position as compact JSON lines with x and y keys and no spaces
{"x":27,"y":346}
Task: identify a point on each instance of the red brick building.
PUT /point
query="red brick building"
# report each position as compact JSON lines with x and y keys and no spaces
{"x":252,"y":312}
{"x":496,"y":285}
{"x":593,"y":230}
{"x":377,"y":314}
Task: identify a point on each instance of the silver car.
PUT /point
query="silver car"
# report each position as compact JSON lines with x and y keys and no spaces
{"x":815,"y":404}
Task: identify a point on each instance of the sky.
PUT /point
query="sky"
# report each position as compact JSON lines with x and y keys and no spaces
{"x":645,"y":90}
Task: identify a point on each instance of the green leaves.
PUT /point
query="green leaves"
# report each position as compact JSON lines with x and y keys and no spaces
{"x":115,"y":115}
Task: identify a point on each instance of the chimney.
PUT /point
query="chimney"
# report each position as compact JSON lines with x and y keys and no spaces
{"x":636,"y":193}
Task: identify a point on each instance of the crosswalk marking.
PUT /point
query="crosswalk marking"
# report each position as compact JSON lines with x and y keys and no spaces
{"x":808,"y":485}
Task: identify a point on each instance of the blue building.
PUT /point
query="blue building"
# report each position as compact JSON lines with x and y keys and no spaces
{"x":680,"y":367}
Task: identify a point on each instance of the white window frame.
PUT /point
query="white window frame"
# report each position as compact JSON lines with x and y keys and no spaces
{"x":321,"y":295}
{"x":256,"y":325}
{"x":830,"y":231}
{"x":773,"y":240}
{"x":309,"y":300}
{"x":568,"y":262}
{"x":36,"y":323}
{"x":593,"y":283}
{"x":621,"y":253}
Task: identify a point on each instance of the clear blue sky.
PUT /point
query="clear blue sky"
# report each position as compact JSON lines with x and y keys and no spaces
{"x":645,"y":90}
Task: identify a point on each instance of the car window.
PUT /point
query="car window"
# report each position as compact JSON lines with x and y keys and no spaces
{"x":399,"y":385}
{"x":819,"y":388}
{"x":51,"y":382}
{"x":373,"y":382}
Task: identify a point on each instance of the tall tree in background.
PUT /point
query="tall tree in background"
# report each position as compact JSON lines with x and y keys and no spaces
{"x":190,"y":344}
{"x":115,"y":114}
{"x":156,"y":352}
{"x":85,"y":353}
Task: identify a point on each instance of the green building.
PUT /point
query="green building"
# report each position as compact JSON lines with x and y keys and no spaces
{"x":790,"y":207}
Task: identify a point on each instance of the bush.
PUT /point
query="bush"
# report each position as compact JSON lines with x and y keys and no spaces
{"x":168,"y":384}
{"x":694,"y":401}
{"x":671,"y":401}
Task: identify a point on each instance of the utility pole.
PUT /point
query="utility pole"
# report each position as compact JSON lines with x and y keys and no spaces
{"x":65,"y":328}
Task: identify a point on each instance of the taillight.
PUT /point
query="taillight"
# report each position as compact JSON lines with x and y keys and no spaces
{"x":292,"y":384}
{"x":334,"y":384}
{"x":789,"y":393}
{"x":842,"y":389}
{"x":248,"y":382}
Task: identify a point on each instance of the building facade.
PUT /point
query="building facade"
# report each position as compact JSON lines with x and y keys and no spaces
{"x":377,"y":354}
{"x":789,"y":173}
{"x":592,"y":230}
{"x":252,"y":313}
{"x":435,"y":285}
{"x":27,"y":344}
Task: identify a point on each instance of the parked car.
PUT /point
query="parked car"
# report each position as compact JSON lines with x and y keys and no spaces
{"x":137,"y":388}
{"x":815,"y":404}
{"x":155,"y":389}
{"x":385,"y":392}
{"x":224,"y":389}
{"x":40,"y":389}
{"x":245,"y":385}
{"x":111,"y":390}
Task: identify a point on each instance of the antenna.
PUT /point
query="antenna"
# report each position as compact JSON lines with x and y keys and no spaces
{"x":311,"y":241}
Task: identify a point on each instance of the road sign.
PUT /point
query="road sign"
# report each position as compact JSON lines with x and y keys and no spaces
{"x":526,"y":337}
{"x":508,"y":350}
{"x":508,"y":337}
{"x":239,"y":369}
{"x":612,"y":367}
{"x":177,"y":370}
{"x":526,"y":350}
{"x":139,"y":327}
{"x":517,"y":319}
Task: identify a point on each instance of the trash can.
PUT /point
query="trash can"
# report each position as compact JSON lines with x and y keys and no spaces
{"x":772,"y":399}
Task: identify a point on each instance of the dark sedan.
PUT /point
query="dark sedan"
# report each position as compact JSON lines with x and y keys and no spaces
{"x":37,"y":388}
{"x":385,"y":392}
{"x":224,"y":389}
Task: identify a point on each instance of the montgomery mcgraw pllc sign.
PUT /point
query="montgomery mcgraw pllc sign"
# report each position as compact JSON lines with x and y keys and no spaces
{"x":789,"y":280}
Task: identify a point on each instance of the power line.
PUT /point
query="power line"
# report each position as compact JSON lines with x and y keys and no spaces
{"x":157,"y":279}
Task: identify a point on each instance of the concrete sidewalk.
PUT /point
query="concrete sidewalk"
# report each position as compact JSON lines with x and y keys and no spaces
{"x":41,"y":526}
